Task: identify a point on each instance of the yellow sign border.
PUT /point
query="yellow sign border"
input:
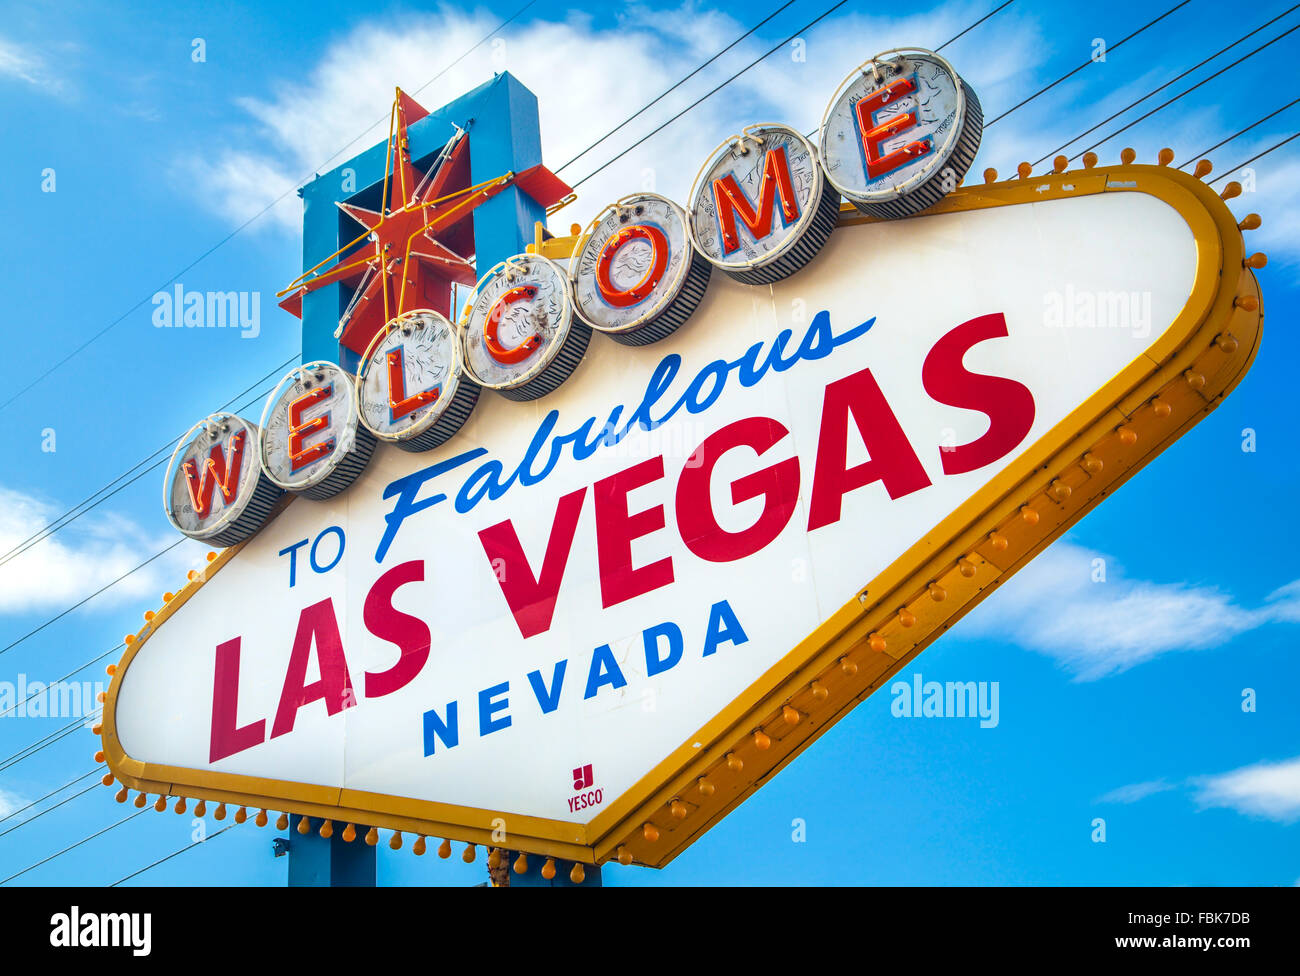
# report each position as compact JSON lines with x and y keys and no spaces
{"x":1054,"y":483}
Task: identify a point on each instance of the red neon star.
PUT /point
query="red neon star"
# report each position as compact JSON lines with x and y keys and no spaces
{"x":422,"y":241}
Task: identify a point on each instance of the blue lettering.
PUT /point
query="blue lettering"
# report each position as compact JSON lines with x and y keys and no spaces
{"x":723,"y":626}
{"x":435,"y":728}
{"x":604,"y":671}
{"x":407,"y":487}
{"x":548,"y":700}
{"x":654,"y":664}
{"x":490,"y":701}
{"x":292,"y":553}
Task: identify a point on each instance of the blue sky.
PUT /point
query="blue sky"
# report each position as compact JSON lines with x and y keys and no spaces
{"x":1119,"y":700}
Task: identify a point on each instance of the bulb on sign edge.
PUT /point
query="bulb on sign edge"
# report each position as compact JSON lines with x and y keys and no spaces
{"x":128,"y":640}
{"x":180,"y":805}
{"x":241,"y":815}
{"x":1024,"y":169}
{"x":327,"y":829}
{"x":1203,"y":169}
{"x":111,"y":670}
{"x":149,"y":615}
{"x":998,"y":542}
{"x":734,"y":763}
{"x":1161,"y":407}
{"x":678,"y":809}
{"x":990,"y":175}
{"x":650,"y":832}
{"x":395,"y":842}
{"x":1127,"y":435}
{"x":282,"y":822}
{"x":521,"y":863}
{"x":1060,"y":490}
{"x":819,"y":691}
{"x":444,"y":849}
{"x":304,"y":825}
{"x":1232,"y":190}
{"x":261,"y":819}
{"x":99,"y":756}
{"x":966,"y":568}
{"x":906,"y":617}
{"x":790,"y":715}
{"x":705,"y":787}
{"x":122,"y":794}
{"x":577,"y":875}
{"x":100,"y":698}
{"x":418,"y":847}
{"x":624,"y":856}
{"x":1165,"y":156}
{"x":848,"y":667}
{"x":548,"y":869}
{"x":1089,"y":160}
{"x":192,"y":575}
{"x":1194,"y":379}
{"x":1248,"y":302}
{"x":937,"y":593}
{"x":762,"y":740}
{"x":97,"y":729}
{"x":1226,"y":343}
{"x":1256,"y":260}
{"x":167,"y":597}
{"x":201,"y":809}
{"x":141,"y":799}
{"x":467,"y":855}
{"x":108,"y":779}
{"x":1127,"y":155}
{"x":220,"y":812}
{"x":1250,"y":222}
{"x":160,"y":804}
{"x":1029,"y":515}
{"x":372,"y":837}
{"x":1059,"y":164}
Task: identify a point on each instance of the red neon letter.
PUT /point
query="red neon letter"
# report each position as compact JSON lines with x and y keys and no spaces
{"x":512,"y":354}
{"x":777,"y":484}
{"x":532,"y":598}
{"x":731,"y":200}
{"x":399,"y":404}
{"x":893,"y":462}
{"x":227,"y":737}
{"x":625,"y":298}
{"x":218,"y":470}
{"x":1008,"y":405}
{"x":410,"y":634}
{"x":300,"y":430}
{"x":617,"y":529}
{"x":873,"y":135}
{"x":335,"y":686}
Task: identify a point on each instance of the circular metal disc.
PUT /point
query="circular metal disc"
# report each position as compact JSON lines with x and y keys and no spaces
{"x":221,"y":438}
{"x":427,"y":348}
{"x":326,"y":392}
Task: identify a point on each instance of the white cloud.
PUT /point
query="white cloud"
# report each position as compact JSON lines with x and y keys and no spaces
{"x":9,"y":802}
{"x":1095,"y":629}
{"x":587,"y":80}
{"x":27,"y":66}
{"x":74,"y":562}
{"x":1135,"y":792}
{"x":1269,"y":790}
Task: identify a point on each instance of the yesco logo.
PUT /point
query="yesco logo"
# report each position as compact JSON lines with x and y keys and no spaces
{"x":583,"y":780}
{"x":74,"y":930}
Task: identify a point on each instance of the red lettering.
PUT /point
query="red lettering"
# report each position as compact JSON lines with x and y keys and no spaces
{"x":873,"y":135}
{"x":531,"y":598}
{"x":218,"y":470}
{"x":399,"y":404}
{"x":299,"y":430}
{"x":316,"y":625}
{"x":410,"y":634}
{"x":892,"y":460}
{"x":730,"y":200}
{"x":777,"y":484}
{"x":617,"y":529}
{"x":1008,"y":405}
{"x":228,"y":737}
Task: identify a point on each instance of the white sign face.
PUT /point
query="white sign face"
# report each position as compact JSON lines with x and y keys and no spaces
{"x":561,"y":597}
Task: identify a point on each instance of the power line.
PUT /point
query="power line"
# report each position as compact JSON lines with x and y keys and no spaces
{"x":37,"y":816}
{"x":70,"y":847}
{"x":1006,"y":3}
{"x":14,"y":813}
{"x":1178,"y":77}
{"x":225,"y":240}
{"x":1240,"y":132}
{"x":1187,"y":91}
{"x":669,"y":91}
{"x":1070,"y":74}
{"x":56,"y":681}
{"x":45,"y":741}
{"x":812,"y":23}
{"x":1233,"y":169}
{"x":170,"y":856}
